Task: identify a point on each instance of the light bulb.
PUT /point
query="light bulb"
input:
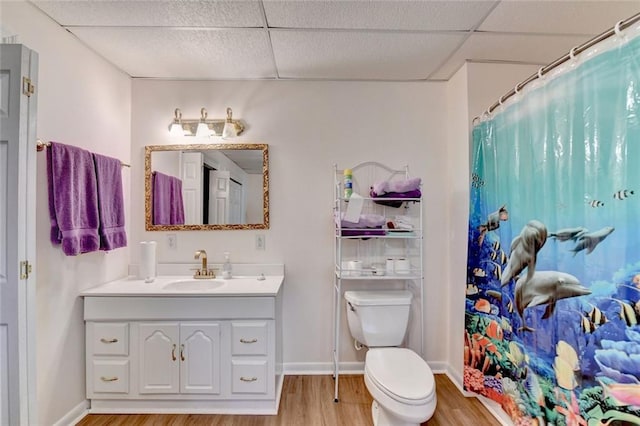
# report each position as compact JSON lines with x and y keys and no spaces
{"x":229,"y":130}
{"x":176,"y":130}
{"x":203,"y":131}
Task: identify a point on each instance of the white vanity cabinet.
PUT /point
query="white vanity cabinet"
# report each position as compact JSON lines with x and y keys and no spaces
{"x":204,"y":354}
{"x":179,"y":358}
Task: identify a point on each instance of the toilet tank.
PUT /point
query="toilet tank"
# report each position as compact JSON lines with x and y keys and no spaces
{"x":378,"y":318}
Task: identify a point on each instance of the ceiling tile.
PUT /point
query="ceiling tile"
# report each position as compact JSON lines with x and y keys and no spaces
{"x":396,"y":15}
{"x":358,"y":55}
{"x":559,"y":17}
{"x":182,"y":53}
{"x":533,"y":49}
{"x":175,"y":13}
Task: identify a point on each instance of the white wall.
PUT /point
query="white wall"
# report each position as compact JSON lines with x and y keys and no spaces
{"x":309,"y":126}
{"x":458,"y":178}
{"x":82,"y":101}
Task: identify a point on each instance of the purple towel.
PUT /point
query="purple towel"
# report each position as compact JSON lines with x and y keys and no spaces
{"x":110,"y":202}
{"x":73,"y":199}
{"x":168,"y":208}
{"x":388,"y":186}
{"x":396,"y":198}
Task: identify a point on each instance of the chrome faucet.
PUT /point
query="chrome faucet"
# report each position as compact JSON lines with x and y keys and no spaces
{"x":203,"y":272}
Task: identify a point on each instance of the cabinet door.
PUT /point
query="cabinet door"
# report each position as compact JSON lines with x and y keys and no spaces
{"x":200,"y":358}
{"x":159,"y":354}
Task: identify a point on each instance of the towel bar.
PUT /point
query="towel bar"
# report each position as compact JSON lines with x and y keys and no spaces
{"x":40,"y":146}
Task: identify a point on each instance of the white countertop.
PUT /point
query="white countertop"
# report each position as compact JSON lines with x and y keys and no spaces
{"x":236,"y":286}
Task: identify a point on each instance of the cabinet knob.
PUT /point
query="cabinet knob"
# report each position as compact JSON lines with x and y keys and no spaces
{"x":248,"y":379}
{"x":108,"y":379}
{"x":248,"y":340}
{"x":114,"y":340}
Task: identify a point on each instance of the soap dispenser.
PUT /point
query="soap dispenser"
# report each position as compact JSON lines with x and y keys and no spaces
{"x":226,"y":266}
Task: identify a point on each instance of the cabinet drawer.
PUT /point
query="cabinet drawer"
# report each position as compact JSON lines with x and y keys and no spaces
{"x":111,"y":376}
{"x":249,"y":338}
{"x":110,"y":338}
{"x":249,"y":376}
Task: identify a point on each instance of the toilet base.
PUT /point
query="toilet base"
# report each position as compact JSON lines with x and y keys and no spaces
{"x":382,"y":418}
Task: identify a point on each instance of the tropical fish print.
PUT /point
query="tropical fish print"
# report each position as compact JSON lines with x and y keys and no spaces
{"x":623,"y":194}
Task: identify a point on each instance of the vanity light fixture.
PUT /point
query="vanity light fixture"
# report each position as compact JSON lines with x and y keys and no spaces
{"x":205,"y":127}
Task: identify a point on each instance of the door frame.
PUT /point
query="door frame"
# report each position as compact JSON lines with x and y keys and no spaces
{"x":22,"y":133}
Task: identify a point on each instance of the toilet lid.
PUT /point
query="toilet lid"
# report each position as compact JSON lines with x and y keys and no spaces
{"x":401,"y":374}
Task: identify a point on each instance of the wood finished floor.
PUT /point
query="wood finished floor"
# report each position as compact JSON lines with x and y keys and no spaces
{"x":308,"y":401}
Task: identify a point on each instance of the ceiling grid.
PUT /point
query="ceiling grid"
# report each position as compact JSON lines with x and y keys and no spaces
{"x":352,"y":40}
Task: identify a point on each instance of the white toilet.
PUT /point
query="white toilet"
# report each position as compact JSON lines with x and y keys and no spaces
{"x":399,"y":380}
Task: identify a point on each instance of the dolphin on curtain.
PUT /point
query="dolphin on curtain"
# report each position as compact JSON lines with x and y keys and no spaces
{"x":546,"y":287}
{"x":524,"y":251}
{"x":590,"y":241}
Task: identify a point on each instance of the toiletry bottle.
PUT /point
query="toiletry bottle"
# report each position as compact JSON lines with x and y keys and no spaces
{"x":226,"y":266}
{"x":348,"y":183}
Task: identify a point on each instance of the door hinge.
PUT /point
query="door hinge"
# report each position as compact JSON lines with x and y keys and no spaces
{"x":28,"y":88}
{"x":25,"y":269}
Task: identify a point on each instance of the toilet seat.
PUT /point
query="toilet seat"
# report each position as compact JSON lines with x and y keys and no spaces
{"x":400,"y":374}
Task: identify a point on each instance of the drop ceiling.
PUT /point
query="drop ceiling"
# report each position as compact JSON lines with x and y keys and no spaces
{"x":390,"y":40}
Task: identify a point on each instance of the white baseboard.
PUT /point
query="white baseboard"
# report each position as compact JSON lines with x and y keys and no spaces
{"x":74,"y":416}
{"x":320,"y":368}
{"x":438,"y":367}
{"x":326,"y":368}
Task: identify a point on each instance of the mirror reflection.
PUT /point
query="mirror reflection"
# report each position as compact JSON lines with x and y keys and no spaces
{"x":206,"y":186}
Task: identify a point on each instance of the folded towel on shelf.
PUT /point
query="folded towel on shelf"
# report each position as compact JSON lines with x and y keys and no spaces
{"x":168,"y":208}
{"x":73,"y":199}
{"x":397,"y":186}
{"x":395,"y":199}
{"x":110,"y":202}
{"x":365,"y":221}
{"x":365,"y":233}
{"x":399,"y":226}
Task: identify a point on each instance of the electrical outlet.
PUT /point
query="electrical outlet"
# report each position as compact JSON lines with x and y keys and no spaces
{"x":172,"y":241}
{"x":260,"y":242}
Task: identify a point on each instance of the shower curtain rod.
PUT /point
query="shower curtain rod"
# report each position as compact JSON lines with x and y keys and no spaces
{"x":621,"y":25}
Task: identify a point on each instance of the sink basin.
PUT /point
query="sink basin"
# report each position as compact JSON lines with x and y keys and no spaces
{"x":194,"y":285}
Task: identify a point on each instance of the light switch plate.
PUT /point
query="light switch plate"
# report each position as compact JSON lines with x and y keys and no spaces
{"x":172,"y":241}
{"x":260,"y":242}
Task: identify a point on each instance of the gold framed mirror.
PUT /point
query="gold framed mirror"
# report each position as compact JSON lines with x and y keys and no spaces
{"x":205,"y":187}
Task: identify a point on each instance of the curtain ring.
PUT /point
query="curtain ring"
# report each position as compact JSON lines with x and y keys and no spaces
{"x":516,"y":89}
{"x":617,"y":28}
{"x":572,"y":53}
{"x":540,"y":73}
{"x":500,"y":101}
{"x":486,"y":113}
{"x":473,"y":122}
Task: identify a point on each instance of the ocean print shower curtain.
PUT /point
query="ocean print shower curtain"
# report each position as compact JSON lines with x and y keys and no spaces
{"x":553,"y":275}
